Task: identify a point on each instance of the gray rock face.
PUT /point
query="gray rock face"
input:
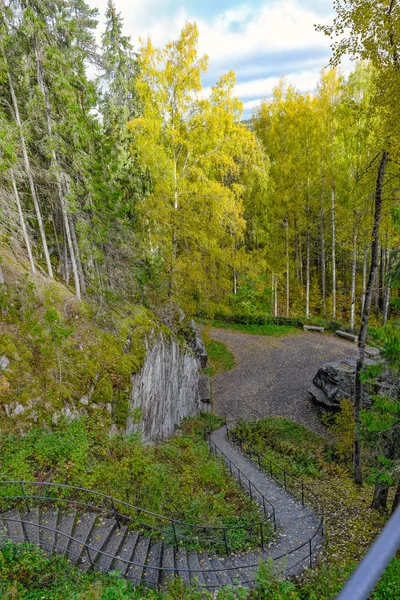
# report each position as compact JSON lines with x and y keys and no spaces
{"x":166,"y":390}
{"x":335,"y":381}
{"x":4,"y":363}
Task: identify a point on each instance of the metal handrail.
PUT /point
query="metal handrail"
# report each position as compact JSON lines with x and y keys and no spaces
{"x":159,"y":569}
{"x":374,"y":563}
{"x":176,"y":524}
{"x":252,"y":452}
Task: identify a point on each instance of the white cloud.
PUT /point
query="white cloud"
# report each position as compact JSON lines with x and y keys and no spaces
{"x":239,"y":35}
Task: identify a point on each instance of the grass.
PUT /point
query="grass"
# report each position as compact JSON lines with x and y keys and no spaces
{"x":220,"y":358}
{"x":270,"y":329}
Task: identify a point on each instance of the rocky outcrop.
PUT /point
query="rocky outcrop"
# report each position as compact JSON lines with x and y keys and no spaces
{"x":335,"y":381}
{"x":166,"y":390}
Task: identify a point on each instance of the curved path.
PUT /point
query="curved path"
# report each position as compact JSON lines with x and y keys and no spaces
{"x":272,"y":374}
{"x":271,"y":378}
{"x":92,"y":538}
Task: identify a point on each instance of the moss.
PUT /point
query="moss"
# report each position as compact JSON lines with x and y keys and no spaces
{"x":60,"y":350}
{"x":103,"y":391}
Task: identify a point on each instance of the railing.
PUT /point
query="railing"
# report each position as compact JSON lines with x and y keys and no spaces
{"x":19,"y":493}
{"x":289,"y":482}
{"x":374,"y":563}
{"x":173,"y":531}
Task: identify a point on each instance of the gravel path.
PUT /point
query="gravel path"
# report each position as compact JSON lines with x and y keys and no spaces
{"x":272,"y":375}
{"x":296,"y":524}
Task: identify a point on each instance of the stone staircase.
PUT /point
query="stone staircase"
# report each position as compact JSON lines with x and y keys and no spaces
{"x":92,"y":541}
{"x":104,"y":540}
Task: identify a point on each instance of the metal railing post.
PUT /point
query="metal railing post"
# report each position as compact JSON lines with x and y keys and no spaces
{"x":90,"y":558}
{"x":24,"y":497}
{"x":284,"y":480}
{"x":116,"y":515}
{"x":225,"y":542}
{"x":302,"y":493}
{"x":310,"y":549}
{"x":174,"y":532}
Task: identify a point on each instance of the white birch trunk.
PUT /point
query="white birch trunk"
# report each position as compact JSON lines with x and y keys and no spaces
{"x":333,"y":255}
{"x":30,"y":177}
{"x":22,"y":220}
{"x":353,"y":280}
{"x":287,"y":268}
{"x":323,"y":260}
{"x":364,"y":278}
{"x":386,"y":299}
{"x":308,"y":267}
{"x":62,"y":199}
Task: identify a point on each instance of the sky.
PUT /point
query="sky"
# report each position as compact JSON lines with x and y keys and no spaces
{"x":261,"y":40}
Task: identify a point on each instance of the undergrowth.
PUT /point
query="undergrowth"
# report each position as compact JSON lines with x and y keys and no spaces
{"x":178,"y":478}
{"x":269,"y":329}
{"x":26,"y":573}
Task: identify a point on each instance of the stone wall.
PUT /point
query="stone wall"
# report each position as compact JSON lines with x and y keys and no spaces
{"x":166,"y":389}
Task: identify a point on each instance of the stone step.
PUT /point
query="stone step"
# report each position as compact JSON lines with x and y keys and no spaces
{"x":168,"y":562}
{"x":15,"y":529}
{"x":246,"y":574}
{"x":125,"y":553}
{"x":223,"y":577}
{"x":181,"y":562}
{"x":101,"y":532}
{"x":135,"y":573}
{"x":48,"y":518}
{"x":210,"y":578}
{"x":82,"y":532}
{"x":112,"y":548}
{"x":32,"y":531}
{"x":152,"y":576}
{"x":194,"y":563}
{"x":65,"y":526}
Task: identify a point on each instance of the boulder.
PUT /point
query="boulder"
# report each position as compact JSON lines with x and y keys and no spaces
{"x":335,"y":381}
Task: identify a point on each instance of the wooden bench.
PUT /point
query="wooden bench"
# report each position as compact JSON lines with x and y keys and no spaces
{"x":313,"y":328}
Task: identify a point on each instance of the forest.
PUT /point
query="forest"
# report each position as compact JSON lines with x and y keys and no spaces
{"x":137,"y":204}
{"x":134,"y":185}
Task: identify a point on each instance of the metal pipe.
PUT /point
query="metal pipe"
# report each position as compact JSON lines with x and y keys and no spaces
{"x":372,"y":566}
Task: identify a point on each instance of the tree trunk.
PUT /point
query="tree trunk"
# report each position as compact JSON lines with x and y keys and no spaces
{"x":22,"y":220}
{"x":382,"y":279}
{"x":308,"y":266}
{"x":2,"y":282}
{"x":333,"y":255}
{"x":61,"y":197}
{"x":353,"y":278}
{"x":364,"y":281}
{"x":287,"y":268}
{"x":379,"y":501}
{"x":29,"y":174}
{"x":396,"y":499}
{"x":77,"y":254}
{"x":323,"y":260}
{"x":386,"y":299}
{"x":362,"y":336}
{"x":276,"y":298}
